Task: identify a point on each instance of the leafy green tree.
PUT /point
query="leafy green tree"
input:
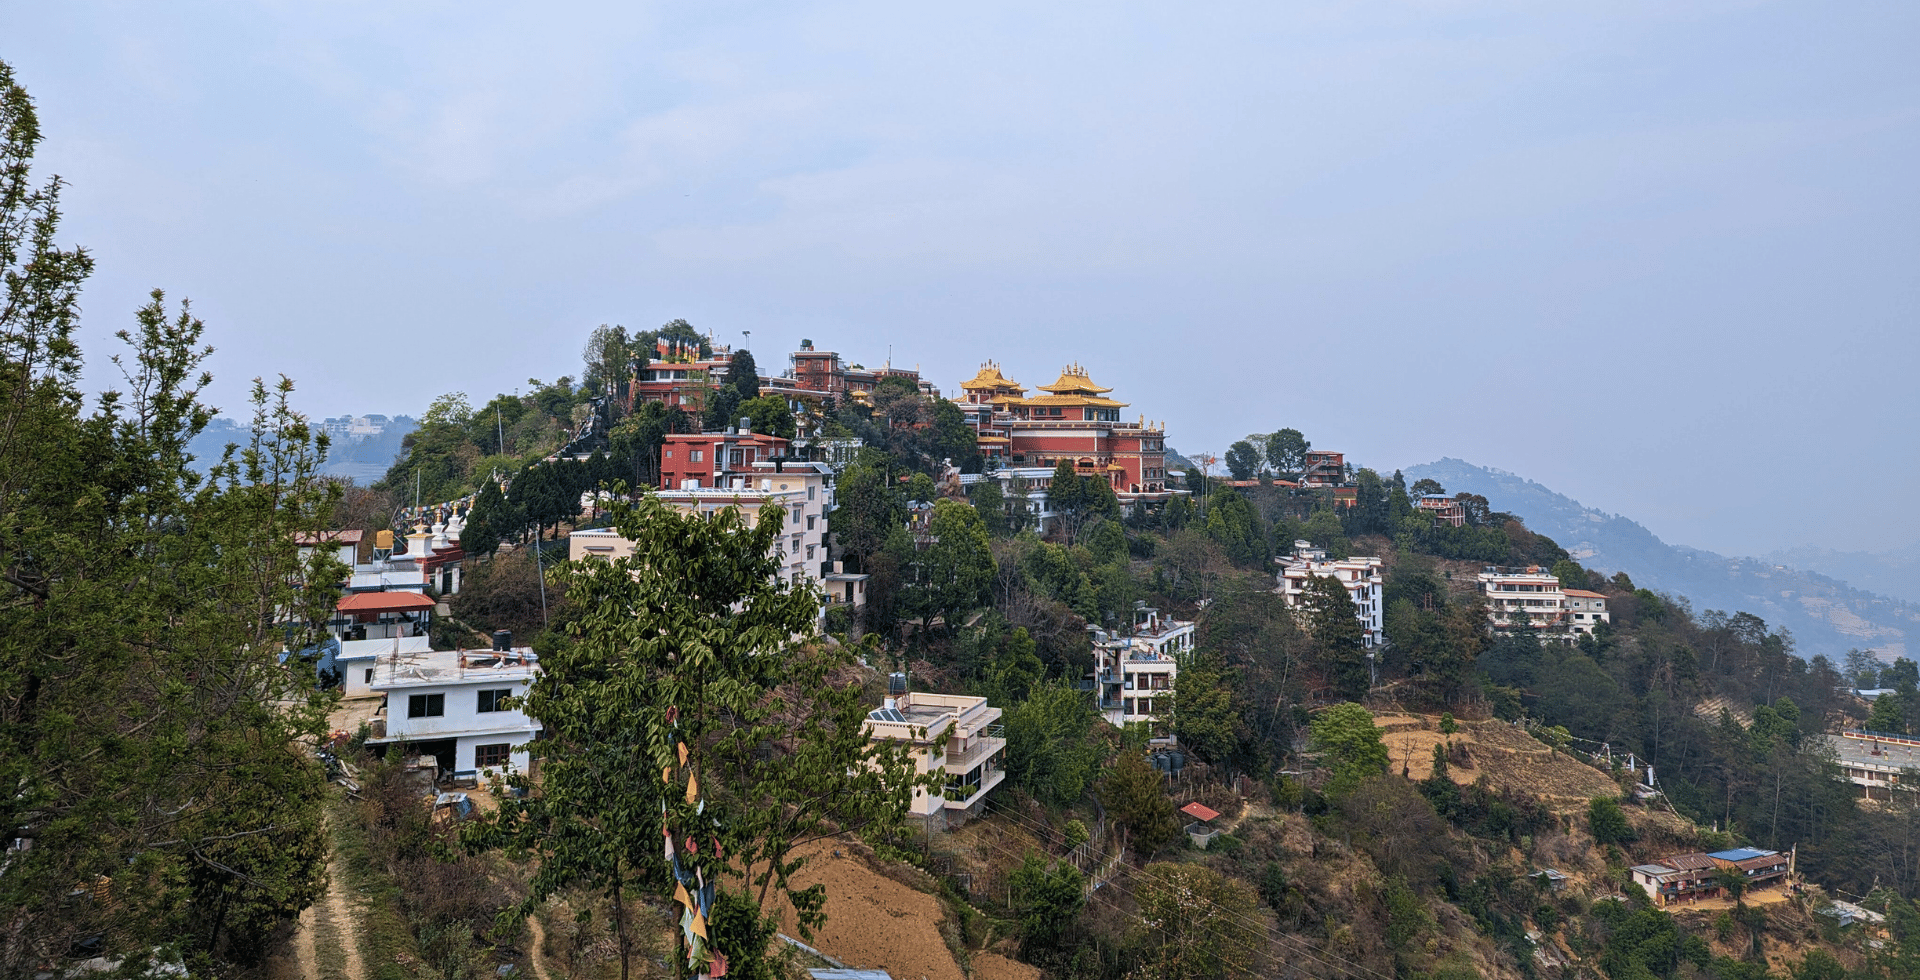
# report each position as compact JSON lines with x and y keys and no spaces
{"x":637,"y":441}
{"x":1324,"y":529}
{"x":992,"y":505}
{"x":150,"y":736}
{"x":691,"y":644}
{"x":1015,"y":670}
{"x":1050,"y":749}
{"x":1066,"y":495}
{"x":1047,"y":895}
{"x":1607,"y":823}
{"x":1132,"y":791}
{"x":866,"y":511}
{"x":1198,"y":924}
{"x":1352,"y":744}
{"x":1426,"y":488}
{"x":1243,"y":460}
{"x":958,"y":566}
{"x":1205,"y":719}
{"x":770,"y":416}
{"x":1286,"y":452}
{"x":1339,"y":640}
{"x":952,"y":438}
{"x":1889,"y":715}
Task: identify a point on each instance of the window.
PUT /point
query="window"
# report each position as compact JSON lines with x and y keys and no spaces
{"x":490,"y":700}
{"x":695,"y":455}
{"x":809,"y":523}
{"x":369,"y":675}
{"x":810,"y":492}
{"x":426,"y":705}
{"x":669,"y":454}
{"x":809,"y":552}
{"x":491,"y":756}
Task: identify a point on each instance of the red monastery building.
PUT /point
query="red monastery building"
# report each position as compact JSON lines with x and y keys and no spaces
{"x":1073,"y":420}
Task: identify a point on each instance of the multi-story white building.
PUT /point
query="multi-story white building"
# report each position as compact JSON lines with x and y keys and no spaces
{"x":1360,"y":576}
{"x":804,"y":490}
{"x":1533,"y":596}
{"x":973,"y":758}
{"x":1023,"y":494}
{"x":1134,"y":672}
{"x":450,"y":705}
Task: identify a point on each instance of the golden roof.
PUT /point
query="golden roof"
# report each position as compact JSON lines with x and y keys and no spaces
{"x":1073,"y":378}
{"x":1091,"y":401}
{"x":990,"y":379}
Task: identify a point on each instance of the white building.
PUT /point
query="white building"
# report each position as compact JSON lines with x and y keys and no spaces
{"x":972,"y":758}
{"x":449,"y":705}
{"x":804,"y":490}
{"x":1586,"y":610}
{"x":1023,"y":491}
{"x":1533,"y":596}
{"x":1134,"y":672}
{"x":1361,"y":576}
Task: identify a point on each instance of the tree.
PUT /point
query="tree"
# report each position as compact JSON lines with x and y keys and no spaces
{"x":1132,"y":792}
{"x":1353,"y":746}
{"x":958,"y":565}
{"x":1338,"y":638}
{"x":743,"y":376}
{"x":1324,"y":529}
{"x":681,"y":708}
{"x":489,"y":520}
{"x":1046,"y":895}
{"x":1287,"y":452}
{"x":1889,"y":715}
{"x":1426,"y":488}
{"x":1243,"y":460}
{"x":1205,"y":719}
{"x":1050,"y":750}
{"x":952,"y":439}
{"x":1607,"y":824}
{"x":866,"y":511}
{"x":1235,"y":526}
{"x":770,"y":415}
{"x":1198,"y":924}
{"x":149,"y":733}
{"x":991,"y":503}
{"x":1066,"y":496}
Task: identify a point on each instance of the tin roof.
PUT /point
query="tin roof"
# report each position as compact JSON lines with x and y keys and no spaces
{"x":1199,"y":811}
{"x":396,"y":601}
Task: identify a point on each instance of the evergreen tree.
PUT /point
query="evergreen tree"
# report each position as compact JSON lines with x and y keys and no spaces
{"x":1132,"y":793}
{"x":991,"y":503}
{"x":743,"y":376}
{"x":490,"y":520}
{"x":1338,"y":638}
{"x":150,"y":736}
{"x":683,"y":708}
{"x":1242,"y":460}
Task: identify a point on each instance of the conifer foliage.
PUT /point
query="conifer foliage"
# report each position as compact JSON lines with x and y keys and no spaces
{"x":157,"y":794}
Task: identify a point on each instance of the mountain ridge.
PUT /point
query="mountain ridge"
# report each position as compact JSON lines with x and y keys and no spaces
{"x":1826,"y":615}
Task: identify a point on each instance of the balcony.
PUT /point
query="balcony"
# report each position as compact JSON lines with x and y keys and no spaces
{"x":964,"y":753}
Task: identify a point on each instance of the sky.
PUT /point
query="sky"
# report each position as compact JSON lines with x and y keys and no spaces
{"x":1661,"y":257}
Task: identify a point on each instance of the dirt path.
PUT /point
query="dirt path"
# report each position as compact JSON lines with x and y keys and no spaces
{"x":346,"y":928}
{"x":305,"y":958}
{"x":536,"y":954}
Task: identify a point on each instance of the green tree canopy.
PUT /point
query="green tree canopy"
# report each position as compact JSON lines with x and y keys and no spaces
{"x":1352,"y":743}
{"x":1286,"y":452}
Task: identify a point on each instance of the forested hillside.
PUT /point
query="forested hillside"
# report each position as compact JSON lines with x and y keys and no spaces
{"x":1825,"y":615}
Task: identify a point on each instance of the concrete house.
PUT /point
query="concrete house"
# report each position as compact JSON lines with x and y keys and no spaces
{"x":450,"y":704}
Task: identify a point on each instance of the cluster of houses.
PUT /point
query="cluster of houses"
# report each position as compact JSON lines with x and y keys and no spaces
{"x":1682,"y":878}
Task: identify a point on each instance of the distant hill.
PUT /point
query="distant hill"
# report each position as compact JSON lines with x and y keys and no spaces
{"x":1895,"y":573}
{"x":1825,"y":614}
{"x":364,"y":459}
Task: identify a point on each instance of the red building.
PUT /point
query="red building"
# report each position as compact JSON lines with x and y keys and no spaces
{"x":1074,"y":420}
{"x":680,"y":376}
{"x":709,"y":459}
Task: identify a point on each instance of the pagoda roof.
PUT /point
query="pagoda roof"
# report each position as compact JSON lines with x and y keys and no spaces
{"x":1073,"y":378}
{"x":990,"y":379}
{"x":1094,"y":401}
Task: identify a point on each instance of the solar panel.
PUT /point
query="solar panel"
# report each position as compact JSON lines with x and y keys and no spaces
{"x":886,"y":714}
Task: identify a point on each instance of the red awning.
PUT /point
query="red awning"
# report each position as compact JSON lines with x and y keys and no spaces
{"x":1199,"y":811}
{"x":384,"y":602}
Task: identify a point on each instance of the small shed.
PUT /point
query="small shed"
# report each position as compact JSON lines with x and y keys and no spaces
{"x":1201,"y":831}
{"x":1551,"y":878}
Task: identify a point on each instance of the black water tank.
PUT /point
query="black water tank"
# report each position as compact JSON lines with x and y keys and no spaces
{"x":502,"y":640}
{"x":896,"y":685}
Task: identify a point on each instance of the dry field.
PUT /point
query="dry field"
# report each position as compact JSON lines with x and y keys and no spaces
{"x":1510,"y":758}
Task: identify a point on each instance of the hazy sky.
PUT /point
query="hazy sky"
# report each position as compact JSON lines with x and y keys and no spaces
{"x":1659,"y":256}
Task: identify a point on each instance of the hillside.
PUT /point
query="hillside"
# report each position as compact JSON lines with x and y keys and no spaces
{"x":1827,"y":616}
{"x":1895,"y":573}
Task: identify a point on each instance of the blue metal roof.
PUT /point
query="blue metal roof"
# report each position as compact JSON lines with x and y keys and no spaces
{"x":1740,"y":854}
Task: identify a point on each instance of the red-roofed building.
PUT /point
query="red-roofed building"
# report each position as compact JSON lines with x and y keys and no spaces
{"x":1073,"y":420}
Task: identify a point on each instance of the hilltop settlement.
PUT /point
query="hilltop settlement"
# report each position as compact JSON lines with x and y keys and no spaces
{"x":698,"y":665}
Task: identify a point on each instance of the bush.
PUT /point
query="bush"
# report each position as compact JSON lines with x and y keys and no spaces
{"x":1607,"y":823}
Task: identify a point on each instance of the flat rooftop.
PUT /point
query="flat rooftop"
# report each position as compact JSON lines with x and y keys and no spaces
{"x":1860,"y":752}
{"x":444,"y":667}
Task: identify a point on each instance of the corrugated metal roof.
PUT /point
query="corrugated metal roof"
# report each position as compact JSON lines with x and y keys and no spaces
{"x":1741,"y":854}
